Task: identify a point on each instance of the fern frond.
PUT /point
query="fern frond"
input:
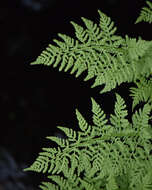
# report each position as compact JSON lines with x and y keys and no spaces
{"x":93,"y":31}
{"x":117,"y":150}
{"x":61,"y":142}
{"x":145,"y":14}
{"x":80,"y":54}
{"x":120,"y":111}
{"x":112,"y":153}
{"x":84,"y":126}
{"x":116,"y":72}
{"x":71,"y":134}
{"x":40,"y":165}
{"x":107,"y":26}
{"x":109,"y":58}
{"x":99,"y":118}
{"x":62,"y":182}
{"x":80,"y":32}
{"x":140,"y":120}
{"x":141,"y":93}
{"x":136,"y":48}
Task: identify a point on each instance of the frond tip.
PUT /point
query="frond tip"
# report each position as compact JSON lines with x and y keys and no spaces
{"x":145,"y":14}
{"x":90,"y":51}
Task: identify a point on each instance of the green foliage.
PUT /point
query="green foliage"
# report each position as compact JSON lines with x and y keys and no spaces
{"x":146,"y":13}
{"x":111,"y":153}
{"x":143,"y":92}
{"x":106,"y":56}
{"x":99,"y":155}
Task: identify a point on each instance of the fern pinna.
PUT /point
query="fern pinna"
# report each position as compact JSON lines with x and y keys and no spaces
{"x":146,"y":13}
{"x":101,"y":155}
{"x":109,"y":154}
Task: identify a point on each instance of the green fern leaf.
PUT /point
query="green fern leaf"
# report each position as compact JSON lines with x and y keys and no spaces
{"x":80,"y":32}
{"x":107,"y":26}
{"x":40,"y":165}
{"x":140,"y":120}
{"x":91,"y":51}
{"x":70,"y":133}
{"x":93,"y":31}
{"x":63,"y":183}
{"x":136,"y":49}
{"x":84,"y":126}
{"x":146,"y":13}
{"x":115,"y":73}
{"x":99,"y":117}
{"x":102,"y":156}
{"x":95,"y":157}
{"x":141,"y":93}
{"x":61,"y":142}
{"x":120,"y":113}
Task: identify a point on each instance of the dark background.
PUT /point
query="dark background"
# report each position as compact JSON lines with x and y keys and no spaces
{"x":36,"y":99}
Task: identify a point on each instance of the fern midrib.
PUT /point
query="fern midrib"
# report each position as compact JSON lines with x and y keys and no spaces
{"x":90,"y":141}
{"x":89,"y":46}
